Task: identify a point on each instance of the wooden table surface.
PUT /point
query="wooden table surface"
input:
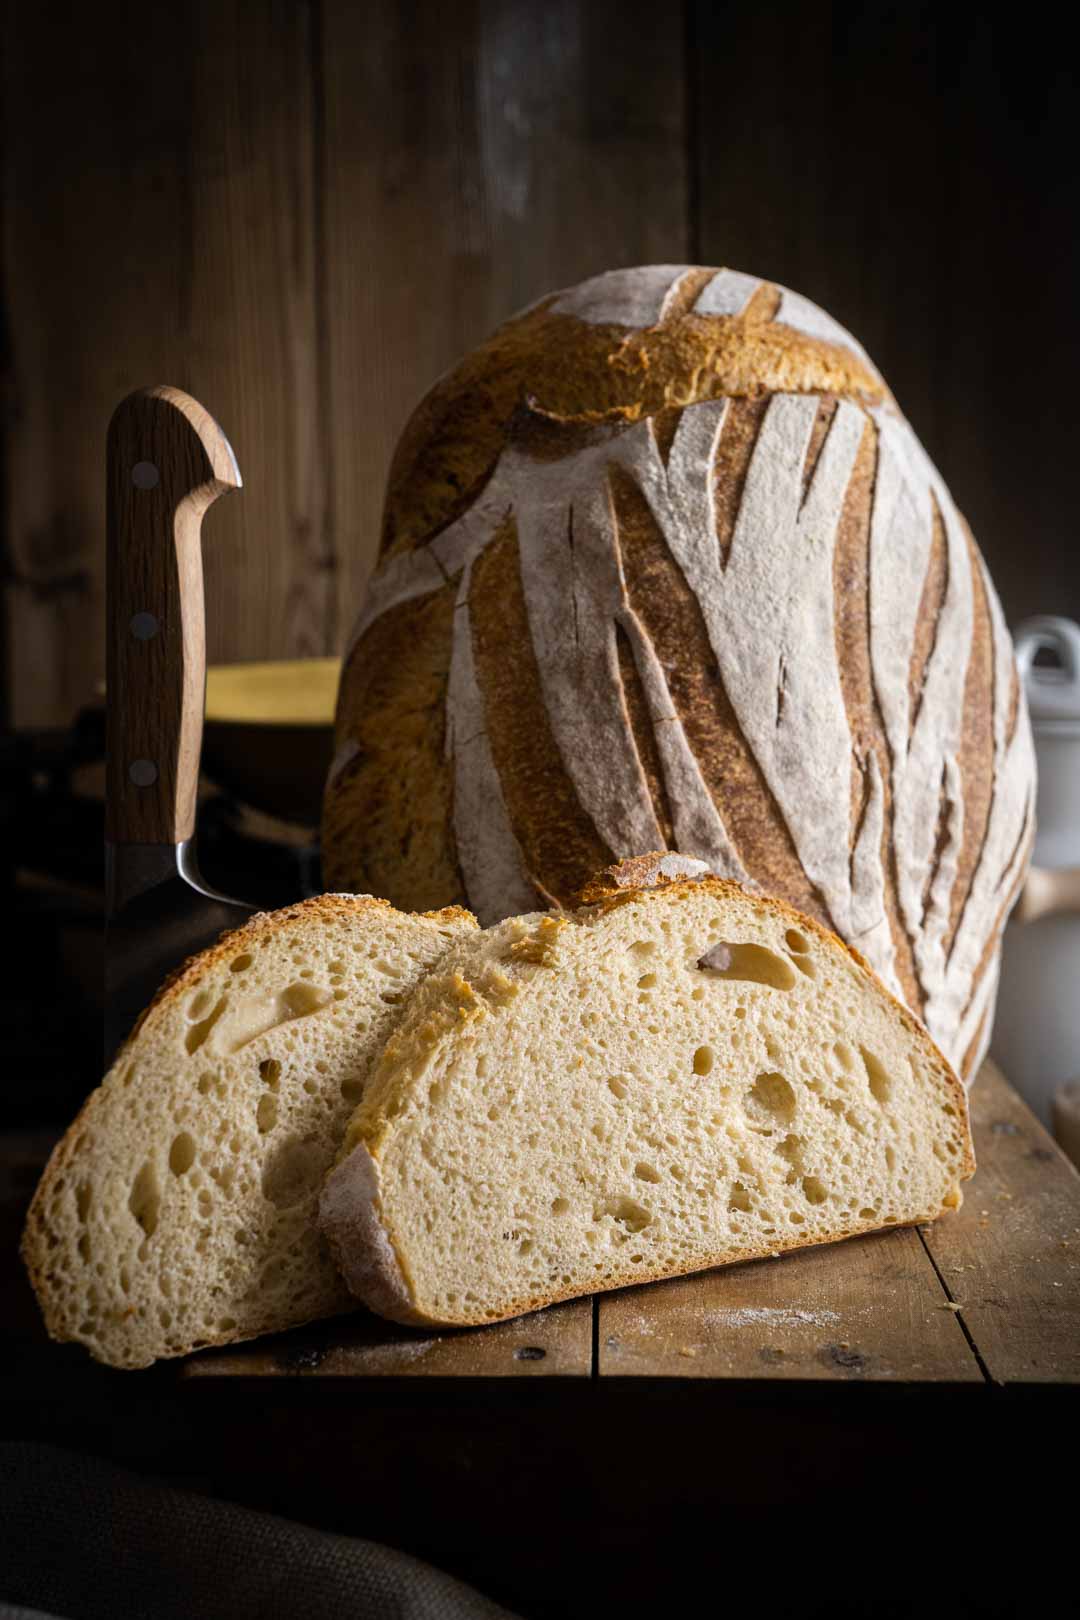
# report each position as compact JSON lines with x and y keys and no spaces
{"x":933,"y":1366}
{"x":990,"y":1294}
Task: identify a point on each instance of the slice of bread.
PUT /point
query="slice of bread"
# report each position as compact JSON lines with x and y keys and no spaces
{"x":669,"y":1079}
{"x":178,"y":1211}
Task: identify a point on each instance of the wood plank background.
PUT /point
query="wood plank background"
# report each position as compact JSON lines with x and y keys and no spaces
{"x":304,"y":210}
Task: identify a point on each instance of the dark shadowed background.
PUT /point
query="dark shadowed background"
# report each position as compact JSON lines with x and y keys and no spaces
{"x":302,"y":212}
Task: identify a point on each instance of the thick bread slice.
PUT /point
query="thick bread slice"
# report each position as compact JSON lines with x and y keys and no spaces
{"x":178,"y":1211}
{"x":669,"y":1079}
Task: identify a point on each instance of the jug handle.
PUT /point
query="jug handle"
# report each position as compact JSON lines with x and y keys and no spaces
{"x":1048,"y":633}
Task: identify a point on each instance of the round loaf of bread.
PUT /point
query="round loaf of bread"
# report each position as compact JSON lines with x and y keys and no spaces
{"x":663,"y":566}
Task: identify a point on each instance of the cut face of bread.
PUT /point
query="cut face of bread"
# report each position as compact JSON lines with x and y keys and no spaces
{"x":178,"y":1211}
{"x":667,"y":1080}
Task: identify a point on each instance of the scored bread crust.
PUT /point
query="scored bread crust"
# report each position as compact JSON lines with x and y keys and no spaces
{"x":366,"y":1248}
{"x":40,"y":1240}
{"x":174,"y":984}
{"x":578,"y":676}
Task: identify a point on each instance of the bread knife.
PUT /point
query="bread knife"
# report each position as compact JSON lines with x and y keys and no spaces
{"x":167,"y":462}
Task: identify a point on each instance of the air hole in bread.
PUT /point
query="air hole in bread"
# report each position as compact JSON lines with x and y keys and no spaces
{"x":352,"y":1089}
{"x":771,"y":1097}
{"x":240,"y":963}
{"x":878,"y":1078}
{"x":644,"y":947}
{"x":814,"y":1190}
{"x":270,"y":1073}
{"x":845,"y":1055}
{"x":199,"y":1033}
{"x":145,"y":1199}
{"x":646,"y":1172}
{"x":625,"y":1212}
{"x":182,"y":1153}
{"x":647,"y":981}
{"x":617,"y":1086}
{"x":790,"y":1148}
{"x":796,"y":942}
{"x":751,"y":964}
{"x":560,"y":1206}
{"x":267,"y":1112}
{"x":82,"y":1200}
{"x":740,"y":1198}
{"x":703,"y":1060}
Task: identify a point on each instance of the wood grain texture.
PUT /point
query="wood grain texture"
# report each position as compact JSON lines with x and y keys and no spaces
{"x":553,"y":1343}
{"x":908,"y":168}
{"x":159,"y":224}
{"x":1011,"y":1257}
{"x":94,"y":173}
{"x":864,"y":1311}
{"x":476,"y":158}
{"x":168,"y":461}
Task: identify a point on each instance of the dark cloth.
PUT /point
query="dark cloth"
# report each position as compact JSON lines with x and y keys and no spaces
{"x":83,"y":1540}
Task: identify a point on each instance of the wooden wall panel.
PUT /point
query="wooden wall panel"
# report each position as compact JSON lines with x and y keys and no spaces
{"x":478,"y":156}
{"x":912,"y":169}
{"x":159,"y":228}
{"x":305,"y":210}
{"x":94,"y":175}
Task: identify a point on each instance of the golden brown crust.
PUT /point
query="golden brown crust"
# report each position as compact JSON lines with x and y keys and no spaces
{"x":975,"y":755}
{"x":34,"y":1244}
{"x":391,"y":713}
{"x":234,"y":941}
{"x":576,"y":371}
{"x":413,"y":1317}
{"x":557,"y":840}
{"x":851,"y":594}
{"x":537,"y":389}
{"x":621,"y":884}
{"x":672,"y":618}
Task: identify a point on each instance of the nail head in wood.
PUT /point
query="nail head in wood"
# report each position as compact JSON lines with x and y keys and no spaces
{"x":144,"y":626}
{"x":143,"y":772}
{"x":144,"y":475}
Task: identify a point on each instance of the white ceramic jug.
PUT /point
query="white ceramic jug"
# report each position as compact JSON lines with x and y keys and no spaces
{"x":1037,"y":1029}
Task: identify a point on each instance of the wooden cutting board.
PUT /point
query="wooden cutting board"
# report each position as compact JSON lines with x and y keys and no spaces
{"x":988,"y":1295}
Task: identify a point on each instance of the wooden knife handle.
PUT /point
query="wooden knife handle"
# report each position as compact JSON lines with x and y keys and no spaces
{"x":167,"y":461}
